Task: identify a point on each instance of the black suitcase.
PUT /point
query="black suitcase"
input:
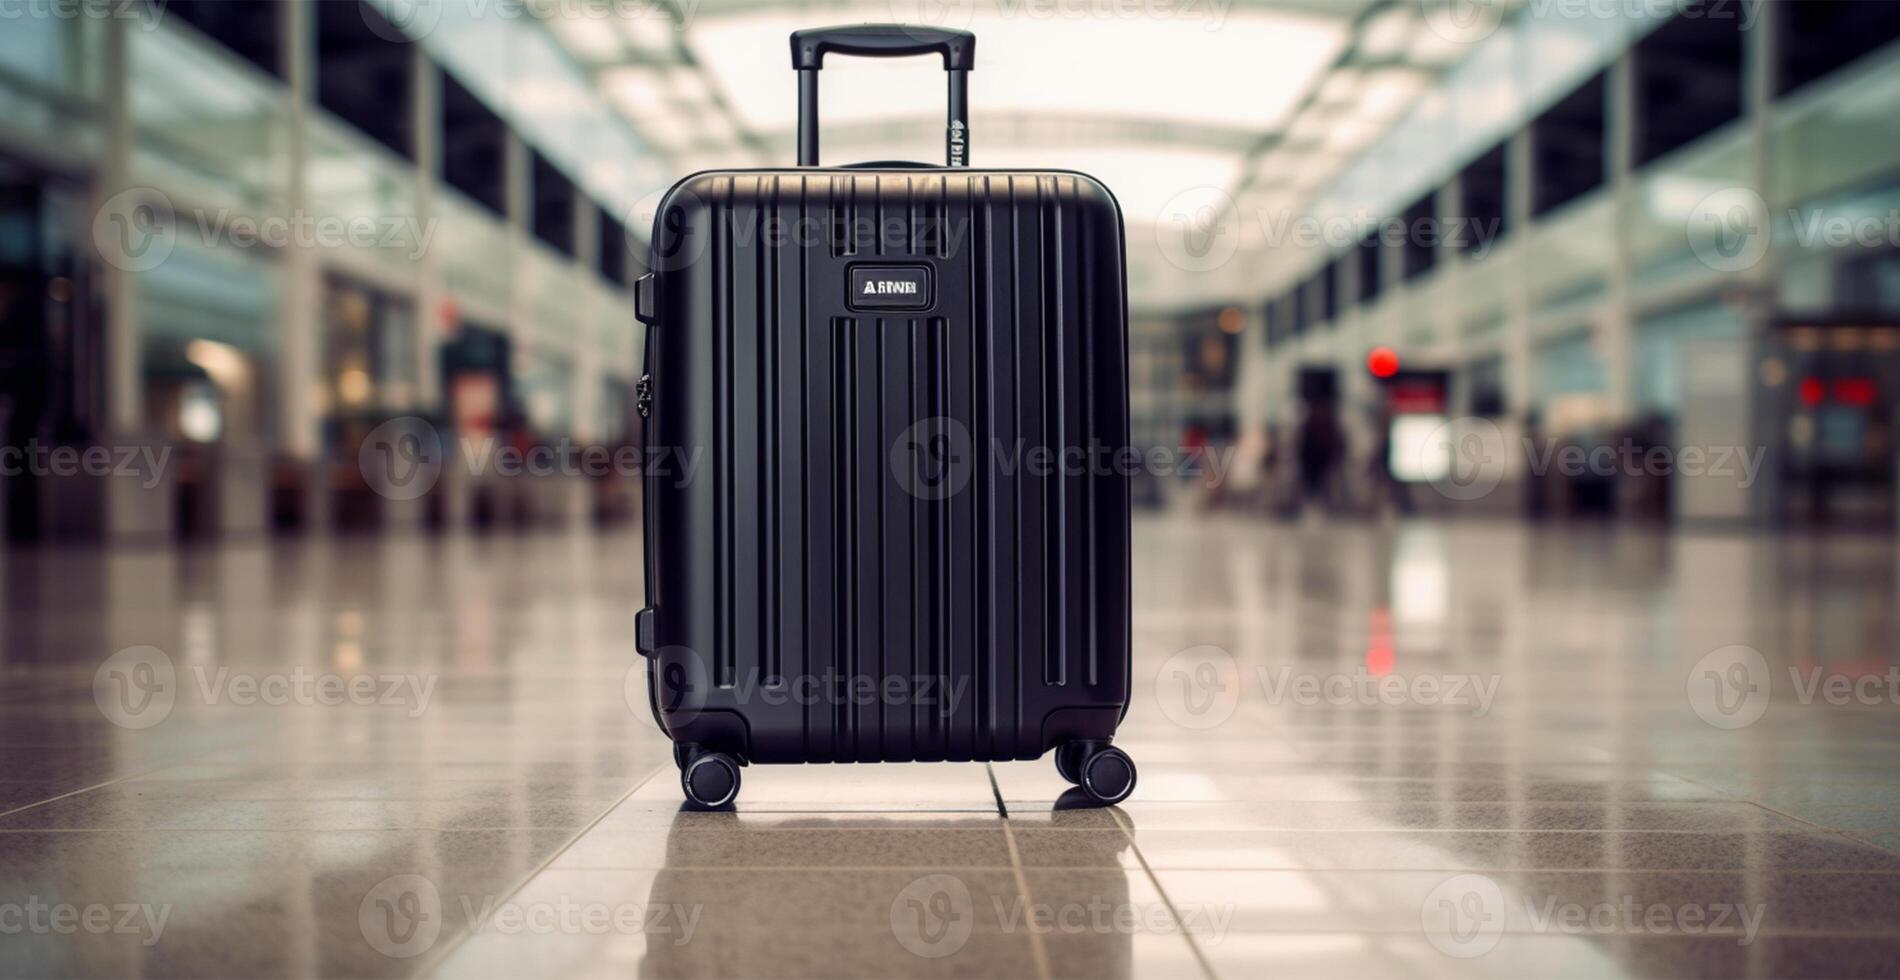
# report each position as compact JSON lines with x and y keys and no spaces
{"x":907,"y":538}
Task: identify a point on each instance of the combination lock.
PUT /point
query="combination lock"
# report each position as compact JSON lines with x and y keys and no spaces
{"x":643,"y":395}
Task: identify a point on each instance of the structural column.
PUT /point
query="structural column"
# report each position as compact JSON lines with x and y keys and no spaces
{"x":124,"y":395}
{"x":301,"y":348}
{"x":1616,"y":329}
{"x":430,"y":292}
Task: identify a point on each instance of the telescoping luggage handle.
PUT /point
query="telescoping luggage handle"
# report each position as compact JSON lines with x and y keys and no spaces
{"x":958,"y":48}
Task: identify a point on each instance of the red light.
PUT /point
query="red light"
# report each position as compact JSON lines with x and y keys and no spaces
{"x":1812,"y":391}
{"x":1858,"y":392}
{"x":1383,"y":362}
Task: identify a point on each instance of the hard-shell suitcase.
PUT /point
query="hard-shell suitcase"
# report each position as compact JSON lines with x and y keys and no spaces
{"x":899,"y":530}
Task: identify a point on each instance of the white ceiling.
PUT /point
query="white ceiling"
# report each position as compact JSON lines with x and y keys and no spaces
{"x":1156,"y":98}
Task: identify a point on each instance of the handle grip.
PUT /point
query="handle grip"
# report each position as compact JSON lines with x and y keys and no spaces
{"x":810,"y":46}
{"x":958,"y":49}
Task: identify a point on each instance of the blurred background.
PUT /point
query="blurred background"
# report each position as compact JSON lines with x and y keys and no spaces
{"x":1547,"y":348}
{"x":1374,"y":246}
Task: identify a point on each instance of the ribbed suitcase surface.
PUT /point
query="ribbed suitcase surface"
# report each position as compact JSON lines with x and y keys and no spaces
{"x":906,"y":535}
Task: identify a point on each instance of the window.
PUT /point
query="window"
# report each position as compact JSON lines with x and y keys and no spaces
{"x":1486,"y":217}
{"x":364,"y":78}
{"x":1421,"y":237}
{"x":1568,"y":148}
{"x":1329,"y":290}
{"x":1688,"y":79}
{"x":1371,"y":277}
{"x":613,"y":247}
{"x":553,"y":214}
{"x":254,"y":31}
{"x":1818,"y":36}
{"x":474,"y":147}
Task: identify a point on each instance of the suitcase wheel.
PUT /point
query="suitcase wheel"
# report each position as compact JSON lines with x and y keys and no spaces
{"x":1108,"y":776}
{"x":710,"y":779}
{"x":1104,"y":772}
{"x":1069,"y":757}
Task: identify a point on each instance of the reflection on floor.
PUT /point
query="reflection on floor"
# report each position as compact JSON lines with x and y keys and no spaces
{"x":1461,"y":749}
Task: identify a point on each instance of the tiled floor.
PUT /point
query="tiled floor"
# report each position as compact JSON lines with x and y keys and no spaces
{"x":1424,"y":750}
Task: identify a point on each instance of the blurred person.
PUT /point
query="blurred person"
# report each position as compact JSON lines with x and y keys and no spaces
{"x":1321,"y":447}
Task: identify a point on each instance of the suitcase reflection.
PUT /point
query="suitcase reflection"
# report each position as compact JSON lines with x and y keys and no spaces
{"x":880,"y":910}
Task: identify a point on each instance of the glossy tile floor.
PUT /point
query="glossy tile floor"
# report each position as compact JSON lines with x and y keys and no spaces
{"x":1366,"y":751}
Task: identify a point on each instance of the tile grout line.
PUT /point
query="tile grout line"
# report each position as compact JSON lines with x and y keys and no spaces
{"x":436,"y":962}
{"x":1825,"y":829}
{"x":1200,"y":955}
{"x":1037,"y":952}
{"x":110,"y":782}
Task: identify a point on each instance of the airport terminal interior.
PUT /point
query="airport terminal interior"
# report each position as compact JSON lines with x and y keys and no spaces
{"x":1514,"y":386}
